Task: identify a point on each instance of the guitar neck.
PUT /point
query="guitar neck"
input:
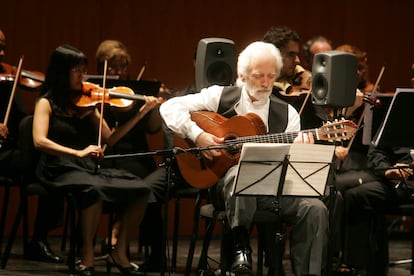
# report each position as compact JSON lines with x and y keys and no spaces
{"x":287,"y":137}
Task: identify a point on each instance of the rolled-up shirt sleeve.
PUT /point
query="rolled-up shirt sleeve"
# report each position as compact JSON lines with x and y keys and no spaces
{"x":176,"y":111}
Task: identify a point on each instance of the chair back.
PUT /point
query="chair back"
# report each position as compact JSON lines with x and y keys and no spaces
{"x":29,"y":155}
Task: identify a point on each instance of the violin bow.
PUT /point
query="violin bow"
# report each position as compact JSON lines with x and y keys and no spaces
{"x":102,"y":112}
{"x":13,"y":92}
{"x":141,"y":72}
{"x":308,"y":94}
{"x":102,"y":103}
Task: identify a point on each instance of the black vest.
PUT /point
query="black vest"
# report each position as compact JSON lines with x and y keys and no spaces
{"x":278,"y":109}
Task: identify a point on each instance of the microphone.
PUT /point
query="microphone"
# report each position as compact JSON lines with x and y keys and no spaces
{"x":200,"y":157}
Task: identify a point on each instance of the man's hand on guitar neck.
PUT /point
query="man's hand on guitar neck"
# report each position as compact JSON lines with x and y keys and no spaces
{"x":205,"y":140}
{"x":304,"y":138}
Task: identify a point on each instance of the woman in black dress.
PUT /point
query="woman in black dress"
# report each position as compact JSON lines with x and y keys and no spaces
{"x":67,"y":136}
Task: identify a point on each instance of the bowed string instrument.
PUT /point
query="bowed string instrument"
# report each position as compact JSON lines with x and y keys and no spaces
{"x":27,"y":79}
{"x":298,"y":94}
{"x":92,"y":95}
{"x":370,"y":100}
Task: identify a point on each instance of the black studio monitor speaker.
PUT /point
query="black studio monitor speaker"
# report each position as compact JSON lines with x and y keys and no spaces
{"x":334,"y":79}
{"x":215,"y":62}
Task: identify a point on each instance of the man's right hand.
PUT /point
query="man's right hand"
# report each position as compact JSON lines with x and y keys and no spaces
{"x":205,"y":140}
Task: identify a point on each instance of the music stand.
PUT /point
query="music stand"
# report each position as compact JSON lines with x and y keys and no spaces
{"x":391,"y":132}
{"x":259,"y":166}
{"x":306,"y":172}
{"x":271,"y":169}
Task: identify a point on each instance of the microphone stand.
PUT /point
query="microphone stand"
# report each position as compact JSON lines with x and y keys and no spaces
{"x":170,"y":155}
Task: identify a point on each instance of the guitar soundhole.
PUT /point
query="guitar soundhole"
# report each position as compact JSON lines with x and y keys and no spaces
{"x":232,"y":147}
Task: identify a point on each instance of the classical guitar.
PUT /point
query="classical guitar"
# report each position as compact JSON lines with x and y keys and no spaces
{"x":202,"y":173}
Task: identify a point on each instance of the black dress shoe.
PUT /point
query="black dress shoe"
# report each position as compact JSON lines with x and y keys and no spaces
{"x":242,"y":262}
{"x":152,"y":264}
{"x":40,"y":251}
{"x":132,"y":269}
{"x":86,"y":271}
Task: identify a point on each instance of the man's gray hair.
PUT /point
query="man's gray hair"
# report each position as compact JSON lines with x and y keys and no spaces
{"x":251,"y":51}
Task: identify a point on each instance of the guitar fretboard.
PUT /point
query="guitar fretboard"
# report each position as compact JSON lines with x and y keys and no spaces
{"x":287,"y":137}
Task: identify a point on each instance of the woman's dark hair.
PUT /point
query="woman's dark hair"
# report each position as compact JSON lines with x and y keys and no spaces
{"x":57,"y":82}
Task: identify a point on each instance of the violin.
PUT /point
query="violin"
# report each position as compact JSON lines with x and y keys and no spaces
{"x":374,"y":102}
{"x":28,"y":79}
{"x":118,"y":97}
{"x":298,"y":94}
{"x":301,"y":83}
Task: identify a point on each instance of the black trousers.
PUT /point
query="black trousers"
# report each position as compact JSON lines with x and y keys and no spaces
{"x":365,"y":244}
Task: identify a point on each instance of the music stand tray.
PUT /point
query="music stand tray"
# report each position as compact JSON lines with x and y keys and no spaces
{"x":260,"y":170}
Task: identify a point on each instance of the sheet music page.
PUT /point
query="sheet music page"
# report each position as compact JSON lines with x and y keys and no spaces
{"x":308,"y":171}
{"x":259,"y":170}
{"x":260,"y":167}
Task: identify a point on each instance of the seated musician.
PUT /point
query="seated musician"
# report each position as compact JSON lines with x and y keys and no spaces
{"x":49,"y":208}
{"x":365,"y":249}
{"x":364,"y":85}
{"x":258,"y":67}
{"x":294,"y":83}
{"x":68,"y":138}
{"x":119,"y":60}
{"x":316,"y":44}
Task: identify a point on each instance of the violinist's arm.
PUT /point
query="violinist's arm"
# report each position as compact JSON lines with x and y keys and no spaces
{"x":359,"y":98}
{"x":112,"y":137}
{"x":41,"y":119}
{"x":154,"y":122}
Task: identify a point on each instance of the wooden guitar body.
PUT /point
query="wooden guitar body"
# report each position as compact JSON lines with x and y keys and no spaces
{"x":202,"y":173}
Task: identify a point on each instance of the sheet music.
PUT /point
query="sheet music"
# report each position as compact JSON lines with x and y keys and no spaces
{"x":260,"y":167}
{"x":309,"y":169}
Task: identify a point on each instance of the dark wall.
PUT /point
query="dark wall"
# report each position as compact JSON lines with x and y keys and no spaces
{"x":163,"y":34}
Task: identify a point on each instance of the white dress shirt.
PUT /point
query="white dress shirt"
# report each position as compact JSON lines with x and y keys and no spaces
{"x":176,"y":111}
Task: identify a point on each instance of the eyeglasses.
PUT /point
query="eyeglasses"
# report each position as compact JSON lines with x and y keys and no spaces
{"x":260,"y":76}
{"x":79,"y":70}
{"x":118,"y":68}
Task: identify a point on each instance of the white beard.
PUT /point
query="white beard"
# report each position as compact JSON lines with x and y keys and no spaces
{"x":259,"y":93}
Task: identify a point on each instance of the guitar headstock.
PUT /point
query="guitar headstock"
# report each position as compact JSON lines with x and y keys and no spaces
{"x":337,"y":130}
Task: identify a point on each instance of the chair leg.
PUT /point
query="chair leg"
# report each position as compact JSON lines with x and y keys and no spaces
{"x":193,"y":236}
{"x":412,"y":249}
{"x":22,"y":211}
{"x":175,"y":234}
{"x":202,"y":264}
{"x":73,"y":233}
{"x":65,"y":231}
{"x":4,"y":213}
